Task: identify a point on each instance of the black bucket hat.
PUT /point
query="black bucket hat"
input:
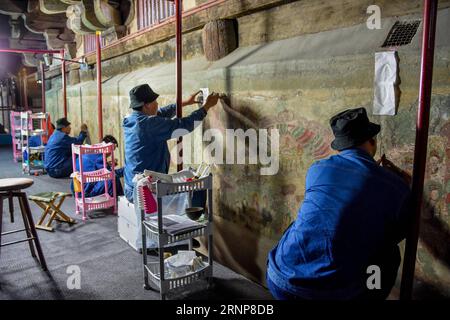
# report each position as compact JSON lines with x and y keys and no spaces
{"x":62,"y":123}
{"x":141,"y":95}
{"x":352,"y":128}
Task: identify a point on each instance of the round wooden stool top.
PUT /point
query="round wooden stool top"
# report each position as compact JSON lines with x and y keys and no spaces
{"x":12,"y":184}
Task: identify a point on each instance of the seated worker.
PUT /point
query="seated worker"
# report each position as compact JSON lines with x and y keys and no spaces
{"x":354,"y":214}
{"x":58,"y":151}
{"x":93,"y":162}
{"x":147,"y":130}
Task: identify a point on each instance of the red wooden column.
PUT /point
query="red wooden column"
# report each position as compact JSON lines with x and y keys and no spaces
{"x":25,"y":89}
{"x":420,"y":152}
{"x":179,"y":72}
{"x":3,"y":104}
{"x":43,"y":87}
{"x":99,"y":85}
{"x":64,"y":83}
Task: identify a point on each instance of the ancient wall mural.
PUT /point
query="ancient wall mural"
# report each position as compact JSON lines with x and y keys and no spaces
{"x":298,"y":103}
{"x":433,"y":259}
{"x":268,"y":204}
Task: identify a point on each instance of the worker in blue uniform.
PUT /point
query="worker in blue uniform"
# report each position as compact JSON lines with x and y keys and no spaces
{"x":58,"y":151}
{"x":147,"y":130}
{"x":93,"y":162}
{"x":354,"y":214}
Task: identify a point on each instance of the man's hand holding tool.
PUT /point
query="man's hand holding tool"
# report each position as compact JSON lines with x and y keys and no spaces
{"x":384,"y":162}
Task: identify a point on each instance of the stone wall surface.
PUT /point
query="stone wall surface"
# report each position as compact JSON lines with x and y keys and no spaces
{"x":292,"y":82}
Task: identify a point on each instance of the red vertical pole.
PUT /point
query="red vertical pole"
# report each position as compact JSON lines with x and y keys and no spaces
{"x":20,"y":85}
{"x":179,"y":43}
{"x":99,"y":86}
{"x":64,"y":84}
{"x":43,"y":87}
{"x":25,"y":90}
{"x":3,"y":105}
{"x":420,"y":152}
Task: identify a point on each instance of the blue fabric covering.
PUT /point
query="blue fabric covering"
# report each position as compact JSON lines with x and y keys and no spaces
{"x":353,"y":215}
{"x":93,"y":162}
{"x":146,"y":141}
{"x":35,"y":141}
{"x":58,"y":152}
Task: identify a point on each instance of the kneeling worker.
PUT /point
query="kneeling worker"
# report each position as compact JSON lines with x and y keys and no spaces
{"x":58,"y":151}
{"x":354,"y":214}
{"x":147,"y":130}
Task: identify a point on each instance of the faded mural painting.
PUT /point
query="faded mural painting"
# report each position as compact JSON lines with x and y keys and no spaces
{"x":262,"y":207}
{"x":269,"y":203}
{"x":433,"y":259}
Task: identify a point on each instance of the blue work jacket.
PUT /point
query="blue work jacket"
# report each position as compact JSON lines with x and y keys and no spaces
{"x":353,"y":211}
{"x":93,"y":162}
{"x":35,"y":141}
{"x":146,"y":140}
{"x":59,"y":149}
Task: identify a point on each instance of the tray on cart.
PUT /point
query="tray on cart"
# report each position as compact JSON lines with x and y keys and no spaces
{"x":172,"y":282}
{"x":174,"y":224}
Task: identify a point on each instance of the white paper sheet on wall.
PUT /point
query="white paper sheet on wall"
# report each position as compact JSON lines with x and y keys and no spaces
{"x":384,"y":86}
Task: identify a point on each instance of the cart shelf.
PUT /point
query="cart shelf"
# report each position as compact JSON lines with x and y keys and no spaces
{"x":94,"y":149}
{"x":152,"y":233}
{"x":99,"y":202}
{"x":39,"y":115}
{"x":95,"y":176}
{"x":170,"y":283}
{"x":37,"y":132}
{"x":166,"y":188}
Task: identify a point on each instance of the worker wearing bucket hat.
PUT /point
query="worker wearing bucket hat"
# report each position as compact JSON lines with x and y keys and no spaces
{"x":352,"y":217}
{"x":147,"y":130}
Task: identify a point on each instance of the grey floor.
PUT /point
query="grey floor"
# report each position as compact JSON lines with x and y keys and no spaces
{"x":110,"y":269}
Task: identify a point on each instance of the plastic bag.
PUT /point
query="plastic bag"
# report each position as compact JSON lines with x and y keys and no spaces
{"x":183,"y":263}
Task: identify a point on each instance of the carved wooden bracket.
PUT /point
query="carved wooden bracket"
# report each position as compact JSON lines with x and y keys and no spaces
{"x":53,"y":6}
{"x":219,"y":39}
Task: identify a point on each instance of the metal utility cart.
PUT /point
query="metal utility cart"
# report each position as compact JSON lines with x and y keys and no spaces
{"x":155,"y":271}
{"x":33,"y":157}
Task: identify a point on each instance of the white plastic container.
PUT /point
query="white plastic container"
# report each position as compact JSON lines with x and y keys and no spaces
{"x":128,"y":225}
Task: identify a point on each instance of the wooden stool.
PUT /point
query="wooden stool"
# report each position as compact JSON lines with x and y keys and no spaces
{"x":10,"y":188}
{"x":48,"y":201}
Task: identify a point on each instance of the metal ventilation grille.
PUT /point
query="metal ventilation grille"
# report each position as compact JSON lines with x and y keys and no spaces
{"x":401,"y":33}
